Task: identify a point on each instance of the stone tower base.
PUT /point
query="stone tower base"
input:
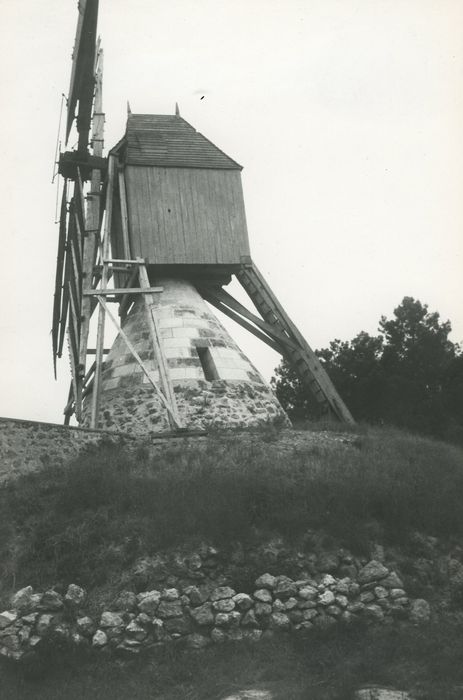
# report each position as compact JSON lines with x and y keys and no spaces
{"x":215,"y":385}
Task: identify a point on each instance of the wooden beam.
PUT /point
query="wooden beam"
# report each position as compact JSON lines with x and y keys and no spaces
{"x":122,"y":290}
{"x":139,"y":361}
{"x":69,"y":408}
{"x":115,"y":268}
{"x":156,"y":342}
{"x":104,"y":282}
{"x":126,"y":300}
{"x":80,"y":202}
{"x":124,"y":214}
{"x":65,"y":299}
{"x":110,"y":261}
{"x":57,"y":300}
{"x":222,"y":296}
{"x":238,"y":319}
{"x":304,"y":360}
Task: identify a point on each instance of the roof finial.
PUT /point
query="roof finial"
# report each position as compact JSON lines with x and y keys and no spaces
{"x":177,"y":110}
{"x":129,"y":111}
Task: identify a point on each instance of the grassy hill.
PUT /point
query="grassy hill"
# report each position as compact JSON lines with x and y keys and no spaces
{"x":90,"y":521}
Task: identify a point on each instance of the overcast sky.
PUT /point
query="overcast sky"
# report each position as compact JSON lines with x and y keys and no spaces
{"x":346,"y":115}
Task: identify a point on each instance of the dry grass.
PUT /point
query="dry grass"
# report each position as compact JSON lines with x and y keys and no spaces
{"x":87,"y":520}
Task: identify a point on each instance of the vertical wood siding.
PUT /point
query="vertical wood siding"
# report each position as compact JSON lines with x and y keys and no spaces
{"x":186,"y":215}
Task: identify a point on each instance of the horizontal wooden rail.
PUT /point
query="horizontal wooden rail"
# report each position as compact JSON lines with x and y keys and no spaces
{"x":122,"y":290}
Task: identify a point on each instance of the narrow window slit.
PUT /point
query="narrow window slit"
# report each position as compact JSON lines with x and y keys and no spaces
{"x":208,"y":364}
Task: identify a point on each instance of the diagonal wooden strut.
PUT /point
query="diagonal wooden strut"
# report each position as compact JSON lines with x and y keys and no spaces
{"x":299,"y":354}
{"x":156,"y":342}
{"x":217,"y":295}
{"x":171,"y":412}
{"x":212,"y":299}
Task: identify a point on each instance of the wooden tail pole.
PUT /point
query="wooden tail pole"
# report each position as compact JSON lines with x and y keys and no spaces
{"x":300,"y":355}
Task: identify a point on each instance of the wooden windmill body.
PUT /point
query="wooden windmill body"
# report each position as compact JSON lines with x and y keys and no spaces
{"x":163,"y":214}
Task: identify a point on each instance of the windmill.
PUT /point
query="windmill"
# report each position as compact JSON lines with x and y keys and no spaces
{"x":158,"y":228}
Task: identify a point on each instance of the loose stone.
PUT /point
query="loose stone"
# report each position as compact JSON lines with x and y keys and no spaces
{"x":280,"y":621}
{"x":203,"y":614}
{"x":285,"y":588}
{"x":149,"y":602}
{"x":263,"y":595}
{"x":224,"y":605}
{"x":242,"y":601}
{"x":381,"y":592}
{"x":99,"y":639}
{"x":7,"y":618}
{"x":51,"y":600}
{"x":111,"y":619}
{"x":75,"y":596}
{"x":218,"y":636}
{"x":327,"y":598}
{"x":249,"y":619}
{"x":420,"y":611}
{"x":266,"y":581}
{"x":44,"y":624}
{"x":222,"y":592}
{"x":373,"y":571}
{"x":86,"y":625}
{"x":374,"y":612}
{"x":22,"y":599}
{"x":262,"y":609}
{"x":308,"y":593}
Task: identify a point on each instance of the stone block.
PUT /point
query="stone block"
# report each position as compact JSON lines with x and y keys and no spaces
{"x":170,"y":322}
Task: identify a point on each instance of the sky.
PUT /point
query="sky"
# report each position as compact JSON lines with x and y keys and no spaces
{"x":346,"y":115}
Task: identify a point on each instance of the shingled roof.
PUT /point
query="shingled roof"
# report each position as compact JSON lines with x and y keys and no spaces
{"x":169,"y":141}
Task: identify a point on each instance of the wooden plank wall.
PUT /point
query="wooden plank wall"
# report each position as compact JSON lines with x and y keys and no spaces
{"x":186,"y":215}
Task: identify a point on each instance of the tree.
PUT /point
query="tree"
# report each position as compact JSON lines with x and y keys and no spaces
{"x":416,"y":358}
{"x":409,"y":375}
{"x":354,"y":369}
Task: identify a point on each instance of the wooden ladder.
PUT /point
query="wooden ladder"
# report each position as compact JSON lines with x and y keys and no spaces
{"x":297,"y":351}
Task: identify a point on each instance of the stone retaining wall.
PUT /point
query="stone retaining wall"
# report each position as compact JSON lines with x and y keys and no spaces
{"x":27,"y":446}
{"x":198,"y":616}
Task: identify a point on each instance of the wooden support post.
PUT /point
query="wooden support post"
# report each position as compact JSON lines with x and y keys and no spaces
{"x":303,"y":359}
{"x":172,"y":415}
{"x":225,"y":299}
{"x":124,"y":214}
{"x":104,"y":282}
{"x":241,"y":321}
{"x":126,"y":300}
{"x":156,"y":341}
{"x":68,"y":410}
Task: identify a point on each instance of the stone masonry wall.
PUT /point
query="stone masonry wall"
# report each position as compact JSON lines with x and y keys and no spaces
{"x":215,"y":384}
{"x":199,"y":615}
{"x":27,"y":446}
